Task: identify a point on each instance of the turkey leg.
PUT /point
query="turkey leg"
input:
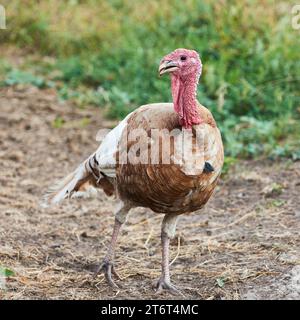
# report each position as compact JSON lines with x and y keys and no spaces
{"x":167,"y":233}
{"x":107,"y":266}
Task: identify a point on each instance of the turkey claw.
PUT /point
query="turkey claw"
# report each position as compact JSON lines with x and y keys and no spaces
{"x":162,"y":285}
{"x":108,"y":269}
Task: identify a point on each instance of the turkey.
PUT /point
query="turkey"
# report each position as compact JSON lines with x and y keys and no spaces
{"x":163,"y":156}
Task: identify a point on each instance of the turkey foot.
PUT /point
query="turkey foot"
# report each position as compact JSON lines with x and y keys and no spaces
{"x":108,"y":269}
{"x":162,"y":284}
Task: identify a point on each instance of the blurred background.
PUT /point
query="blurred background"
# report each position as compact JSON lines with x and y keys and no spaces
{"x":106,"y":54}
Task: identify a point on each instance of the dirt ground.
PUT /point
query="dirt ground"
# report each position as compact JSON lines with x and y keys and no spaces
{"x":244,"y":245}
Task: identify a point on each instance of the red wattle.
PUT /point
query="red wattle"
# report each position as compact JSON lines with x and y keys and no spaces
{"x":185,"y":102}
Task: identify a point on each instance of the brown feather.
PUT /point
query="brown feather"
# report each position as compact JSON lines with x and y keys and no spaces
{"x":165,"y":188}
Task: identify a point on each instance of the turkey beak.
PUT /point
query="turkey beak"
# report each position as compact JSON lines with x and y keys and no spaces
{"x":167,"y":67}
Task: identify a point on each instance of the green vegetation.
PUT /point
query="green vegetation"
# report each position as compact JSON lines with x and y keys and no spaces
{"x":106,"y":53}
{"x":5,"y":272}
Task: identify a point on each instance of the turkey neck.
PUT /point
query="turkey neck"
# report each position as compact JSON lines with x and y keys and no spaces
{"x":184,"y":93}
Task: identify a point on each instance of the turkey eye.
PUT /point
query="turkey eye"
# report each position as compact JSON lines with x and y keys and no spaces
{"x":183,"y":58}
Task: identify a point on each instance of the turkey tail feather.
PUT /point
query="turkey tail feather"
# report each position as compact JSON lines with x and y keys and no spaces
{"x":73,"y":182}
